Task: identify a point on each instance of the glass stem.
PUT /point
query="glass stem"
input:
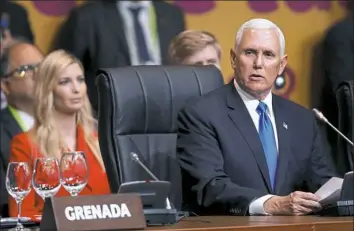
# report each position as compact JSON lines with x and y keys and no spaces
{"x":19,"y":203}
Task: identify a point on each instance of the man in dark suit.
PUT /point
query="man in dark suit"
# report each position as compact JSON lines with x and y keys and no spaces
{"x":108,"y":34}
{"x":339,"y":51}
{"x":17,"y":67}
{"x":244,"y":150}
{"x":338,"y":55}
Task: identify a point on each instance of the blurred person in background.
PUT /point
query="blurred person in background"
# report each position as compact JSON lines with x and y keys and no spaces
{"x":195,"y":47}
{"x":338,"y":51}
{"x":14,"y":24}
{"x":63,"y":122}
{"x":108,"y":34}
{"x":18,"y":64}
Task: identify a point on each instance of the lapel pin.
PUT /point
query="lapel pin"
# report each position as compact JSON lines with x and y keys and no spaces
{"x":285,"y":125}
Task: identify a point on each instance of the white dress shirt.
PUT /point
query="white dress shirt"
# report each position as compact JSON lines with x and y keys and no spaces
{"x":151,"y":38}
{"x":3,"y":102}
{"x":256,"y":206}
{"x":27,"y":120}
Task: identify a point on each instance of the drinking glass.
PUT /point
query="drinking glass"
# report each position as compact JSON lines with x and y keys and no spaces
{"x":73,"y":172}
{"x":45,"y":178}
{"x":18,"y":185}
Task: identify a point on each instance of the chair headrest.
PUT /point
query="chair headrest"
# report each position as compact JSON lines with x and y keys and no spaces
{"x":147,"y":99}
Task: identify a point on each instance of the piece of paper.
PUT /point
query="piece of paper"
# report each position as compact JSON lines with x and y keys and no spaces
{"x":330,"y":191}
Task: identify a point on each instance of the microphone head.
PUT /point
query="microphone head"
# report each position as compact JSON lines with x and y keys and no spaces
{"x":134,"y":156}
{"x":319,"y":115}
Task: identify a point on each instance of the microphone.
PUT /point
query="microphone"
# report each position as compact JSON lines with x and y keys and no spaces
{"x":321,"y":117}
{"x":135,"y":158}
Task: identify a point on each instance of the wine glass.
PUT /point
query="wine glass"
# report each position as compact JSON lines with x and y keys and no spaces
{"x":18,"y":185}
{"x":45,"y":179}
{"x":73,"y":172}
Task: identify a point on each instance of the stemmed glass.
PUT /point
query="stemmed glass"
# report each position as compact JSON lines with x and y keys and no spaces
{"x":18,"y":185}
{"x":73,"y":172}
{"x":45,"y":178}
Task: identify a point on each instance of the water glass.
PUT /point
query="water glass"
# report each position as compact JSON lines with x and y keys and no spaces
{"x":18,"y":185}
{"x":73,"y":172}
{"x":45,"y":178}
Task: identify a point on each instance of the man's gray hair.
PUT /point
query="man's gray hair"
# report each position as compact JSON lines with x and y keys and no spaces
{"x":260,"y":23}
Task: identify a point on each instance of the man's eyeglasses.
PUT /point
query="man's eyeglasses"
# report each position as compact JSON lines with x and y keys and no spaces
{"x":23,"y":71}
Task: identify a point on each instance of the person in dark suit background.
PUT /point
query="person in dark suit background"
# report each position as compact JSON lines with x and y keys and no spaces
{"x":15,"y":18}
{"x":108,"y":34}
{"x":244,"y":150}
{"x":14,"y":25}
{"x":17,"y":65}
{"x":337,"y":66}
{"x":339,"y":51}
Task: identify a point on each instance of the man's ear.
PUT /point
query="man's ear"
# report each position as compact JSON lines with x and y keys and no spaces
{"x":283,"y":63}
{"x":233,"y":58}
{"x":5,"y":87}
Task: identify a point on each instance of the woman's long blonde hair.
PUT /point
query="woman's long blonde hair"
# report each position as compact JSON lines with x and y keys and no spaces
{"x":47,"y":135}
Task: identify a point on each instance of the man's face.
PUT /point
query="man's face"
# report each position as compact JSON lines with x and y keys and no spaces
{"x":257,"y":61}
{"x":208,"y":56}
{"x":19,"y":85}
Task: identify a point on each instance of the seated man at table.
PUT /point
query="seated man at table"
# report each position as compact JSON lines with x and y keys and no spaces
{"x":244,"y":150}
{"x":17,"y":67}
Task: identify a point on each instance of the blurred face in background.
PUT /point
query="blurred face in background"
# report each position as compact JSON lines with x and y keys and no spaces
{"x":207,"y":56}
{"x":18,"y":83}
{"x":70,"y":90}
{"x":195,"y":47}
{"x":257,"y":61}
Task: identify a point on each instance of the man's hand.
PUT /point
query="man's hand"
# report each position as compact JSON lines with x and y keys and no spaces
{"x":297,"y":203}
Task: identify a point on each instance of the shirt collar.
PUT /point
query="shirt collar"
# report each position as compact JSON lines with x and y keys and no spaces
{"x":251,"y":102}
{"x":132,"y":4}
{"x":20,"y":111}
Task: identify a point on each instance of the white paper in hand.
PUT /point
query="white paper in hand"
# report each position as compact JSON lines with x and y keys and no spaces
{"x":330,"y":191}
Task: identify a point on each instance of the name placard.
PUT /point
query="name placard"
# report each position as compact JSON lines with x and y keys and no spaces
{"x":103,"y":212}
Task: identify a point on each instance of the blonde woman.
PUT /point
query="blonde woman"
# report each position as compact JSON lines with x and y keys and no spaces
{"x":63,"y":122}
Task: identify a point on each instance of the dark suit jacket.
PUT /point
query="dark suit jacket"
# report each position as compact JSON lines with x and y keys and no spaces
{"x":222,"y":159}
{"x":18,"y":22}
{"x":8,"y":129}
{"x":338,"y":52}
{"x":94,"y":33}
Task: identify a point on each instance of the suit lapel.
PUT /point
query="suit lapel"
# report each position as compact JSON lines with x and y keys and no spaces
{"x":112,"y":14}
{"x":239,"y":114}
{"x":12,"y":127}
{"x":80,"y":140}
{"x":283,"y":143}
{"x":163,"y":27}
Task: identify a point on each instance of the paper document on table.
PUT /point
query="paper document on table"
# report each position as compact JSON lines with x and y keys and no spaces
{"x":330,"y":191}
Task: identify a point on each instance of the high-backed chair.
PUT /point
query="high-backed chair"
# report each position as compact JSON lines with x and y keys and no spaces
{"x":345,"y":153}
{"x":138,"y":108}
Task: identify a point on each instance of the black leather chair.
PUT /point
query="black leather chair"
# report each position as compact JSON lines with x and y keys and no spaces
{"x":137,"y":112}
{"x":345,"y":154}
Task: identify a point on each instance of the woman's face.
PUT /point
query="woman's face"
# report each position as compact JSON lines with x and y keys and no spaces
{"x":70,"y":90}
